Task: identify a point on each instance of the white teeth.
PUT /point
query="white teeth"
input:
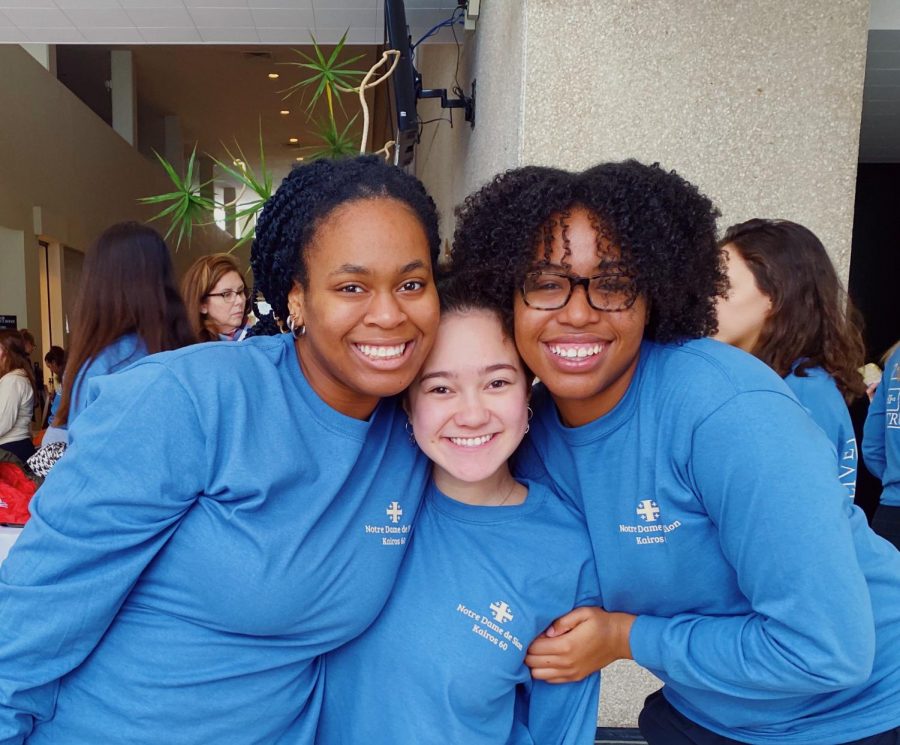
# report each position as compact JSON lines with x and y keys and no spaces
{"x":381,"y":353}
{"x":470,"y":442}
{"x":573,"y":352}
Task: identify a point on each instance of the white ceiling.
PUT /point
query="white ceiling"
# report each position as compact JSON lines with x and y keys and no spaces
{"x":209,"y":21}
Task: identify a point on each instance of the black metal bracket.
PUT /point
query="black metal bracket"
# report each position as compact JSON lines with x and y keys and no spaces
{"x":467,"y":103}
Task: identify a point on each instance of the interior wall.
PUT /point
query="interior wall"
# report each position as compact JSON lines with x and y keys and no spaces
{"x":66,"y":174}
{"x":757,"y":103}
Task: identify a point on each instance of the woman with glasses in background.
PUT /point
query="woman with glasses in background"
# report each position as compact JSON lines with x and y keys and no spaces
{"x":216,"y":298}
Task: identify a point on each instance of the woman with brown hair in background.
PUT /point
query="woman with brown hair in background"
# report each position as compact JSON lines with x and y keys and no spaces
{"x":216,"y":298}
{"x":17,"y":390}
{"x":128,"y":307}
{"x":786,"y":306}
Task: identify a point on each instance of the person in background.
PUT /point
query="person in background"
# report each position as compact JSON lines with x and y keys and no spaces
{"x":786,"y":306}
{"x":731,"y":563}
{"x":40,"y":390}
{"x":217,"y":523}
{"x":128,"y":306}
{"x":17,"y":392}
{"x":55,"y":359}
{"x":493,"y":559}
{"x":216,"y":298}
{"x":881,"y":447}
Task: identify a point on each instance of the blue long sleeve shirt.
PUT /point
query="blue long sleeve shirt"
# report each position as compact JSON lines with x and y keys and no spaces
{"x":881,"y":435}
{"x":764,"y":602}
{"x":820,"y":396}
{"x":444,"y":663}
{"x":213,"y":529}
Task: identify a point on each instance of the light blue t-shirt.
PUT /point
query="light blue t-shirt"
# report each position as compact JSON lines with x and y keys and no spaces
{"x":213,"y":529}
{"x":881,"y":436}
{"x":765,"y":603}
{"x":123,"y":352}
{"x":821,"y":397}
{"x":444,"y":663}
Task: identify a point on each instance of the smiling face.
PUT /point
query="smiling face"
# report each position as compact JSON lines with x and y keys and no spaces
{"x":221,"y":315}
{"x":585,"y":357}
{"x":468,"y":406}
{"x":743,"y":312}
{"x":370,"y":308}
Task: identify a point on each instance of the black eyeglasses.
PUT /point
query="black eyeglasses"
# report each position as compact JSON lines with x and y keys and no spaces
{"x":228,"y":295}
{"x":552,"y":290}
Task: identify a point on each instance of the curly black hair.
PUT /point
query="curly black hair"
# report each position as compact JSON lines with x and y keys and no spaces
{"x":308,"y":195}
{"x":663,"y":226}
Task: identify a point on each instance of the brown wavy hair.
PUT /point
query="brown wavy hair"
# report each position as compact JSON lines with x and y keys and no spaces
{"x":14,"y":356}
{"x":199,"y":280}
{"x":813,"y":322}
{"x":127,"y":286}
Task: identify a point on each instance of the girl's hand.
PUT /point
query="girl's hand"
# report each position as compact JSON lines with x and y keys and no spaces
{"x":580,"y":643}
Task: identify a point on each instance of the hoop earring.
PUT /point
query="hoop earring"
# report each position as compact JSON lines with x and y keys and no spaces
{"x":409,"y":431}
{"x":530,"y":414}
{"x":296,"y":330}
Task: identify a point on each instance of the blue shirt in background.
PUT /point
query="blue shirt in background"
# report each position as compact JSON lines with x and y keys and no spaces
{"x":820,"y":396}
{"x":881,"y":436}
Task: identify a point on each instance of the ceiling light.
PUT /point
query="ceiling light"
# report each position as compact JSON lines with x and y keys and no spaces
{"x":273,"y":76}
{"x":293,"y":140}
{"x":299,"y":157}
{"x":284,"y":112}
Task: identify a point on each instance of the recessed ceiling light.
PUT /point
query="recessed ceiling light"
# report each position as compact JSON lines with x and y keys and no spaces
{"x":273,"y":75}
{"x":299,"y":157}
{"x":293,"y":140}
{"x":284,"y":112}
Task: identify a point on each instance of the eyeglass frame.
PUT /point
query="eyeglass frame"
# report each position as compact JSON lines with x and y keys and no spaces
{"x":576,"y":280}
{"x":243,"y":292}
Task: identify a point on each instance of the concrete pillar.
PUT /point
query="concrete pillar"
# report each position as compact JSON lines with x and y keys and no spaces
{"x":124,"y":100}
{"x":228,"y":195}
{"x":758,"y":103}
{"x":173,"y":150}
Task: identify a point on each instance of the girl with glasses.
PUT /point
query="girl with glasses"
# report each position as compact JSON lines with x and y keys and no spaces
{"x":216,"y":298}
{"x":731,"y":563}
{"x":217,"y":524}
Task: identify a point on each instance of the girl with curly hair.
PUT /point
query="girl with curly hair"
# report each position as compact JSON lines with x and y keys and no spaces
{"x":731,"y":563}
{"x":219,"y":520}
{"x":786,"y":306}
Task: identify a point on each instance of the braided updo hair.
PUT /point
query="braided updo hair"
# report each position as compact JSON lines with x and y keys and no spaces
{"x":307,"y":196}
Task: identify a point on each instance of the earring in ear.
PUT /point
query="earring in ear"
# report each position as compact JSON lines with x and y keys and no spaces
{"x":527,"y":428}
{"x":296,"y":330}
{"x":409,"y":431}
{"x":530,"y":412}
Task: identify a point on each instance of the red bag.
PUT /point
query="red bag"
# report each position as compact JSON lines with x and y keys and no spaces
{"x":16,"y":491}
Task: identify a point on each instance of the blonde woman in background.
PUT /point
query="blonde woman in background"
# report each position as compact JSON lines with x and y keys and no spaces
{"x":216,"y":298}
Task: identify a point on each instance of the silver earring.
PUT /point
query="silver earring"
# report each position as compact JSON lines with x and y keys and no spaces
{"x":409,"y":431}
{"x":530,"y":414}
{"x":296,"y":330}
{"x":527,"y":428}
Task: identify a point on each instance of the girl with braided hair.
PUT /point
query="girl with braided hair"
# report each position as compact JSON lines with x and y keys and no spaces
{"x":731,"y":563}
{"x":227,"y":513}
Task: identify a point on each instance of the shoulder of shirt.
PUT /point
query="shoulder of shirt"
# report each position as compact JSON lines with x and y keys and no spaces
{"x":713,"y":368}
{"x":816,"y":381}
{"x":215,"y":356}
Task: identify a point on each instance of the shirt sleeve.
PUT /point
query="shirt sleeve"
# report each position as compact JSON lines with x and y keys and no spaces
{"x":135,"y":465}
{"x":764,"y":474}
{"x":873,"y":447}
{"x":9,"y":403}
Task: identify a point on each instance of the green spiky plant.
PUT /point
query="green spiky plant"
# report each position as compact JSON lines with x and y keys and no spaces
{"x":325,"y":76}
{"x":188,"y":207}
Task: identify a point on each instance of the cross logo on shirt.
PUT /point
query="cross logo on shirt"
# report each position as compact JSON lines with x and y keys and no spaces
{"x":394,"y":511}
{"x":501,"y":612}
{"x":648,"y":510}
